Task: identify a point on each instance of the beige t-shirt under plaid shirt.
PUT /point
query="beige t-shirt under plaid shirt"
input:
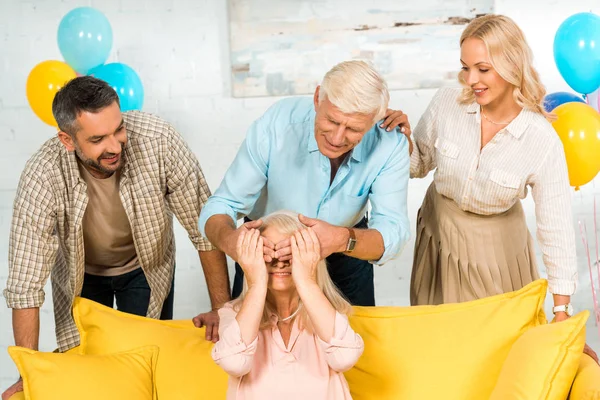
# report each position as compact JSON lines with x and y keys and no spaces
{"x":160,"y":177}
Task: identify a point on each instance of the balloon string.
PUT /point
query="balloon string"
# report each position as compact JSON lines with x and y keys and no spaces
{"x":597,"y":266}
{"x":583,"y":231}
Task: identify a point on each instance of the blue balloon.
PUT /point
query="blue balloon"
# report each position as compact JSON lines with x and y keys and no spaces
{"x":126,"y":83}
{"x":577,"y":51}
{"x":553,"y":100}
{"x":84,"y":38}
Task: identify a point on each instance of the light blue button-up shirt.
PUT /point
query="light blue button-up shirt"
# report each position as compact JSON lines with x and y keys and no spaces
{"x":279,"y":166}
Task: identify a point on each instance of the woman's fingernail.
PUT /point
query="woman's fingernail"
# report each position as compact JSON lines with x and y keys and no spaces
{"x":388,"y":129}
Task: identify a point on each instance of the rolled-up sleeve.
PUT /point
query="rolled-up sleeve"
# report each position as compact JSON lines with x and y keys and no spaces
{"x":230,"y":352}
{"x":552,"y":196}
{"x":345,"y":346}
{"x":33,"y":245}
{"x":388,"y":197}
{"x":245,"y":178}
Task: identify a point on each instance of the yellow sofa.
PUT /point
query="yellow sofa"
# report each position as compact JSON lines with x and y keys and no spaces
{"x":495,"y":348}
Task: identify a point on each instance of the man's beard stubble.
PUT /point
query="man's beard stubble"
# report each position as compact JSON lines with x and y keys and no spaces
{"x":96,"y":165}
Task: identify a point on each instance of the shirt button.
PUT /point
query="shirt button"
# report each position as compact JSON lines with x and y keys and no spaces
{"x":470,"y":178}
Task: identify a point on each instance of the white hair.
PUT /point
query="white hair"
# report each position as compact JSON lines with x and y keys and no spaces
{"x":356,"y":87}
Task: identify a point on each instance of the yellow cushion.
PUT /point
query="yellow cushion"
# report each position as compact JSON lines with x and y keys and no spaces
{"x":21,"y":395}
{"x":587,"y":380}
{"x":54,"y":376}
{"x":185,"y":369}
{"x":74,"y":350}
{"x":450,"y":351}
{"x":543,"y":362}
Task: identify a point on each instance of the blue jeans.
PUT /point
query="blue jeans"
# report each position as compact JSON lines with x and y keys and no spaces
{"x":131,"y":291}
{"x":353,"y":277}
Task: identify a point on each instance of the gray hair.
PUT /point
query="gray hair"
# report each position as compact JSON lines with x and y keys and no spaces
{"x":84,"y":93}
{"x":356,"y":87}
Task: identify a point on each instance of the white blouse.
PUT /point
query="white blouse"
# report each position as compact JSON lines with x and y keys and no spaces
{"x":487,"y":181}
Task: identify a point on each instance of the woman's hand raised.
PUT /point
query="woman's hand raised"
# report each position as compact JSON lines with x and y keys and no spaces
{"x":306,"y":254}
{"x":250,"y":257}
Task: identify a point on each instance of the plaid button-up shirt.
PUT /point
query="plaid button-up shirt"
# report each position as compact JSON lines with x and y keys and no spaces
{"x":160,"y":177}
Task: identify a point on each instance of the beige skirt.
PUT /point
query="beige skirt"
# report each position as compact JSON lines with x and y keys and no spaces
{"x":461,"y":256}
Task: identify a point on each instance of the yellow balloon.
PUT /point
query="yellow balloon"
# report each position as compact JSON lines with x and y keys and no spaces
{"x":578,"y":126}
{"x":44,"y":80}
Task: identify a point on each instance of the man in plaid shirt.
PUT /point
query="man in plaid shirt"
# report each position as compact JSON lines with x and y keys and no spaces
{"x":94,"y":208}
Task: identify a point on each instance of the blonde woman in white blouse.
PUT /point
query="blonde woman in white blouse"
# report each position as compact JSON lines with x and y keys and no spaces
{"x":489,"y":142}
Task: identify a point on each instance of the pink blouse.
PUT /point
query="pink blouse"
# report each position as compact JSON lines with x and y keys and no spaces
{"x":308,"y":368}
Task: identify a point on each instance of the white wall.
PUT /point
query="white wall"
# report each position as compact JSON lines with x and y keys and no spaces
{"x":180,"y":50}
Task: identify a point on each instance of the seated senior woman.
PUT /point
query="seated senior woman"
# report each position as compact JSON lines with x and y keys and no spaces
{"x":287,"y":335}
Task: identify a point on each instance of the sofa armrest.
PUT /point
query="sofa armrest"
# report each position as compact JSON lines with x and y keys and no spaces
{"x":586,"y":385}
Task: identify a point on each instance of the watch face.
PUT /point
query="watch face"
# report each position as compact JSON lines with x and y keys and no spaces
{"x":351,"y":244}
{"x":569,"y":310}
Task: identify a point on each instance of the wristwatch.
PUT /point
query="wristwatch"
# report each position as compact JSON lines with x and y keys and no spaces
{"x":566,"y":308}
{"x":351,"y":241}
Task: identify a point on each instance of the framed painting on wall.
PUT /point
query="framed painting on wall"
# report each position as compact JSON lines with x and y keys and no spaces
{"x":284,"y":47}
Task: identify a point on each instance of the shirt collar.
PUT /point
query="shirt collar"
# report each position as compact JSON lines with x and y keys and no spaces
{"x":76,"y":177}
{"x":517,"y":127}
{"x":312,"y":142}
{"x":358,"y":150}
{"x":75,"y":174}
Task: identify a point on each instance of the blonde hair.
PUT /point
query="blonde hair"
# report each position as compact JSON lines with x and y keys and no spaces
{"x":356,"y":87}
{"x":287,"y":223}
{"x":511,"y":57}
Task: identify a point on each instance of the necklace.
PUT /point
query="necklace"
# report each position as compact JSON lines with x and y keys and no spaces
{"x":495,"y":123}
{"x":291,"y":316}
